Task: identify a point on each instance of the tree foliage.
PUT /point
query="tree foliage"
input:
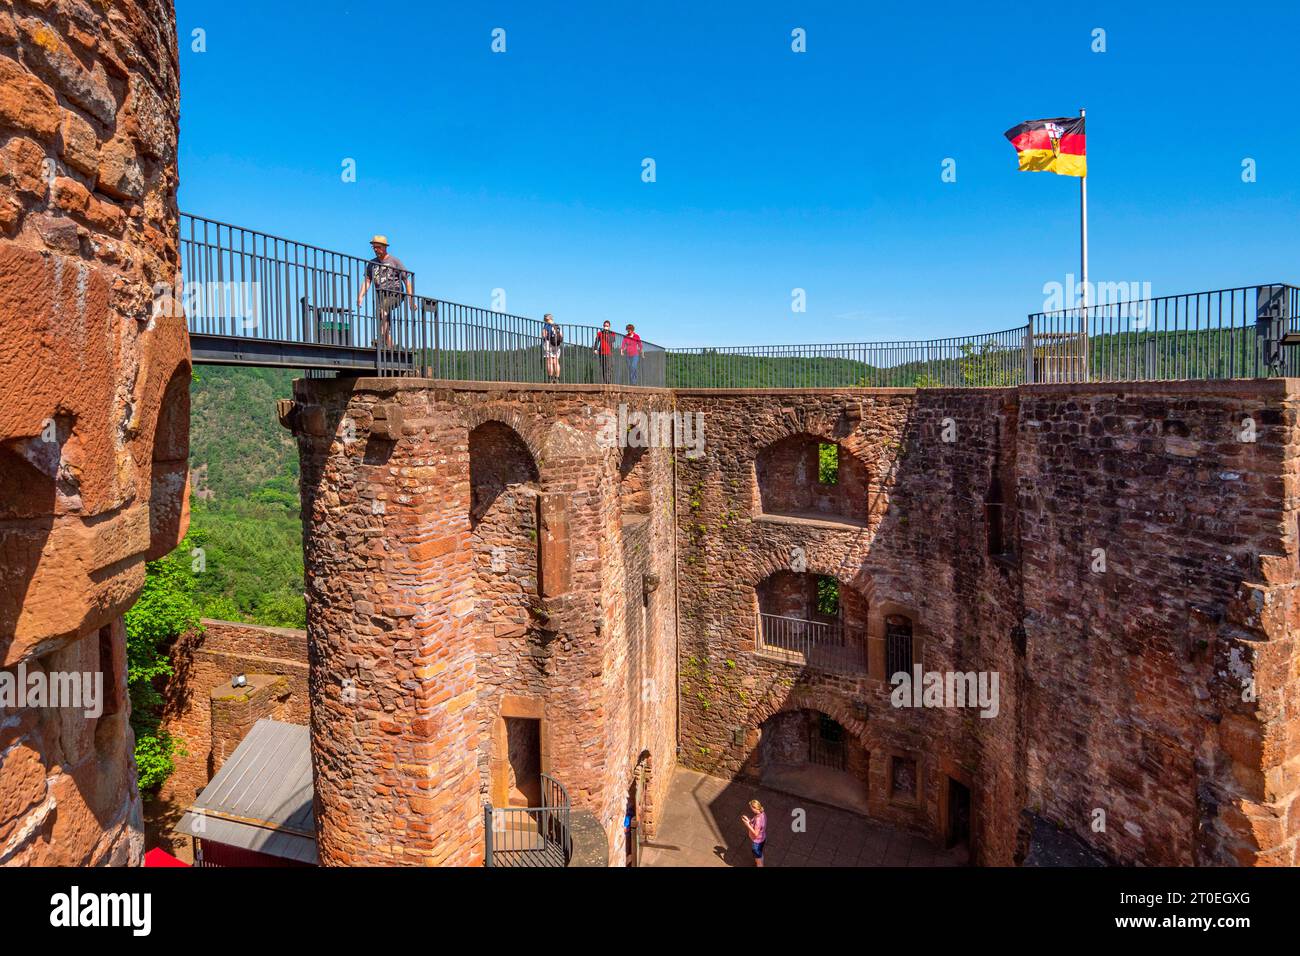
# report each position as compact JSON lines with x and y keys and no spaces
{"x":242,"y":558}
{"x":245,"y":469}
{"x":166,"y":608}
{"x":828,"y":463}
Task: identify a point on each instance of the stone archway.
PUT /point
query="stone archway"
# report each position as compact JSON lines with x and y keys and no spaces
{"x":806,"y":752}
{"x":500,"y":463}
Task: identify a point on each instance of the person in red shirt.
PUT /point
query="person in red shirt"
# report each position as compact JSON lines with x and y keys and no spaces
{"x":603,"y":347}
{"x":631,"y":348}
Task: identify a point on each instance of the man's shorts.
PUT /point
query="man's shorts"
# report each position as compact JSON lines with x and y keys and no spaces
{"x":388,"y":302}
{"x":758,"y":849}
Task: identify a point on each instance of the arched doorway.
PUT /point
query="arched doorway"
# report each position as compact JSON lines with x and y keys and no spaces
{"x":810,"y":754}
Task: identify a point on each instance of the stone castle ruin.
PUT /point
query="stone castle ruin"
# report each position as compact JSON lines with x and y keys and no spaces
{"x":1090,"y":588}
{"x":1121,"y":560}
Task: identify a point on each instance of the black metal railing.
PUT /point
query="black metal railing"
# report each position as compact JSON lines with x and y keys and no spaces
{"x":1227,"y":333}
{"x":530,"y":836}
{"x":468,"y":343}
{"x":241,"y":283}
{"x":994,"y":359}
{"x":817,"y":644}
{"x":243,"y":287}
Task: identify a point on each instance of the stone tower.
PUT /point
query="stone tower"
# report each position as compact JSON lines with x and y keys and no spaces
{"x":94,"y":371}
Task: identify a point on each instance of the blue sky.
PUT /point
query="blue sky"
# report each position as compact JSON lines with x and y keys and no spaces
{"x":775,"y":170}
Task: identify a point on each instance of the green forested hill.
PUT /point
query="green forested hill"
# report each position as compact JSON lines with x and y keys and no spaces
{"x":244,"y":513}
{"x":236,"y":444}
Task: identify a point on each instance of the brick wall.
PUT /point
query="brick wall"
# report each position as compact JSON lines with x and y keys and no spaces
{"x":789,"y":481}
{"x":423,"y":555}
{"x":973,"y":521}
{"x":918,"y":553}
{"x":94,"y":412}
{"x":1121,"y":689}
{"x":236,"y":709}
{"x":1138,"y":669}
{"x":205,"y":660}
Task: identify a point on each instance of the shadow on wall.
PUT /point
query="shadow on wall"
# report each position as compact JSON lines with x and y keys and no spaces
{"x":806,"y":709}
{"x":498,"y":458}
{"x":27,"y":506}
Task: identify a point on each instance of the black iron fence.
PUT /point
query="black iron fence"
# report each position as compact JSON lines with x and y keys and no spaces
{"x":824,"y":646}
{"x":530,"y":836}
{"x":467,"y":343}
{"x":994,"y":359}
{"x":241,"y":283}
{"x":311,"y":307}
{"x":245,"y":287}
{"x":1227,"y":333}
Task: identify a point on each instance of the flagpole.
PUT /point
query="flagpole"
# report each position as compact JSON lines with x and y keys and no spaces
{"x":1083,"y":248}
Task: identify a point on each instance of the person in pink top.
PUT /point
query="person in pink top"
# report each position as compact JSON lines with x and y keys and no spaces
{"x":631,"y":348}
{"x":757,"y":827}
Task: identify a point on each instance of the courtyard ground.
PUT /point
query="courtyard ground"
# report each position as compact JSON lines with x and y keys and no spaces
{"x":701,"y":827}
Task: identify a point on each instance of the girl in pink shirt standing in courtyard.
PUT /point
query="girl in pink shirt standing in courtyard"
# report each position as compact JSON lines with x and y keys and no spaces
{"x":757,"y":827}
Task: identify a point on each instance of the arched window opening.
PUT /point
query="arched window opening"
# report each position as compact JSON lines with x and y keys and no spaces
{"x":809,"y":753}
{"x":498,"y":459}
{"x":504,"y":510}
{"x":809,"y":478}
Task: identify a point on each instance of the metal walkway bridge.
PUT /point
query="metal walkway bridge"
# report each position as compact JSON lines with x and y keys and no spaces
{"x":251,"y":298}
{"x":256,"y":299}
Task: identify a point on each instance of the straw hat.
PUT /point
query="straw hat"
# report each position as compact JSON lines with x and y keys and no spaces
{"x":382,"y":240}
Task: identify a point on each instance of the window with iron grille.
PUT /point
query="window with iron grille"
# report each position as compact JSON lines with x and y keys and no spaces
{"x":829,"y":729}
{"x":898,"y":645}
{"x":826,"y":745}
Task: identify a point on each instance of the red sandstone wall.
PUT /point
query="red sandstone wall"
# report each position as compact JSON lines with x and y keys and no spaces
{"x":1123,"y":692}
{"x":390,"y":603}
{"x":426,"y":597}
{"x":637,"y":551}
{"x":404,"y":600}
{"x":202,"y":661}
{"x":94,"y":403}
{"x":921,"y":553}
{"x":1136,"y":701}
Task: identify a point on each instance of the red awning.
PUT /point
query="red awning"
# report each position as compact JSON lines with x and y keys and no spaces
{"x":160,"y":857}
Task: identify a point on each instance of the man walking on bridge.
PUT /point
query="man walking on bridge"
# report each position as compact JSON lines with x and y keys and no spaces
{"x":389,"y":277}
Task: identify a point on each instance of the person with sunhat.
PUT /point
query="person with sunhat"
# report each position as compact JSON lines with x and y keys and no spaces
{"x":389,"y":278}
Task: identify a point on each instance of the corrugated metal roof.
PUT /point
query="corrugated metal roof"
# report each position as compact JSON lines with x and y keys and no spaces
{"x":261,"y":798}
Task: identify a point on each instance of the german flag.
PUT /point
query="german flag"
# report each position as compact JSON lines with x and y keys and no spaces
{"x":1051,"y":145}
